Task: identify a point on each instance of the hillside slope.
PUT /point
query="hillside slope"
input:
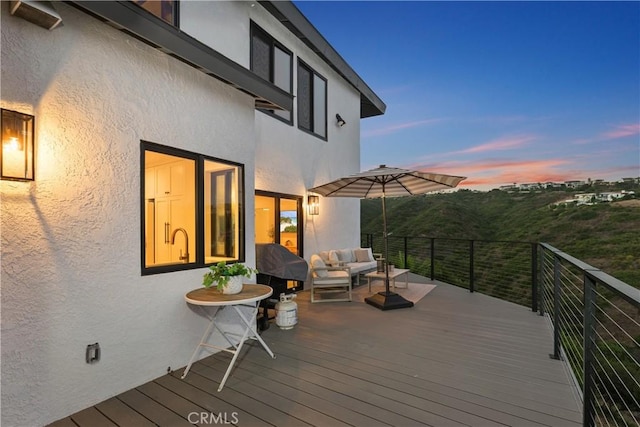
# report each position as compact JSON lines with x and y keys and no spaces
{"x":604,"y":235}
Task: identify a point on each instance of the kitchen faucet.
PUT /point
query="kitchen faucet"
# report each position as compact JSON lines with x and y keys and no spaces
{"x":184,"y":257}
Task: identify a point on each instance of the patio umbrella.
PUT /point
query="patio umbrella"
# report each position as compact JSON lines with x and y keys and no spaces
{"x":385,"y":182}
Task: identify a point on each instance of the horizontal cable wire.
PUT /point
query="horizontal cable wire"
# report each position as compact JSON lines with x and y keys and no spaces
{"x":611,"y":382}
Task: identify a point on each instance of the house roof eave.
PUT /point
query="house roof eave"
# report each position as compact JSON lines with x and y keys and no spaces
{"x":135,"y":21}
{"x":291,"y":17}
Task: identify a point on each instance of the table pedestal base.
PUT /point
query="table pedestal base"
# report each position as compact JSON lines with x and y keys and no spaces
{"x":388,"y":301}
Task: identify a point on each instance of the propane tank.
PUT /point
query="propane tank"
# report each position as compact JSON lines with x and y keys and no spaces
{"x":287,"y":311}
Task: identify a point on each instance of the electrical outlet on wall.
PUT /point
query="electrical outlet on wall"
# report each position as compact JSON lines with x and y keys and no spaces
{"x":93,"y":353}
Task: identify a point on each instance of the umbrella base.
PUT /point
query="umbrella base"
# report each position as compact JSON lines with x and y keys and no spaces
{"x":388,"y":301}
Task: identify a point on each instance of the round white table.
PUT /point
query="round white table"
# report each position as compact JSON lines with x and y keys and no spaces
{"x":250,"y":296}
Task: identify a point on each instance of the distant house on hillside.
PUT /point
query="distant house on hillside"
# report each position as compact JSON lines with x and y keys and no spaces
{"x":575,"y":184}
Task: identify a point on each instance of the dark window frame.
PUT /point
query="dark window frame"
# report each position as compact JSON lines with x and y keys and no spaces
{"x":199,"y":207}
{"x":258,"y":32}
{"x":313,"y":73}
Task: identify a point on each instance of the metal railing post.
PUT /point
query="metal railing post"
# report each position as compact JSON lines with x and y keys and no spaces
{"x":433,"y":258}
{"x":406,"y":248}
{"x":542,"y":276}
{"x":471,"y":281}
{"x":588,"y":415}
{"x":534,"y":277}
{"x":557,"y":301}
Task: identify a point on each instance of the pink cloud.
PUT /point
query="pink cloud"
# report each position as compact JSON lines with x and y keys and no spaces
{"x":496,"y":172}
{"x":506,"y":143}
{"x":398,"y":127}
{"x":623,"y":131}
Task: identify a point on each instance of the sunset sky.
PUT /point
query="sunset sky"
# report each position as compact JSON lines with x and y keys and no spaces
{"x":500,"y":92}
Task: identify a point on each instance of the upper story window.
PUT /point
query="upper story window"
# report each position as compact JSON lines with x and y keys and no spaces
{"x":312,"y":101}
{"x":273,"y":62}
{"x":192,"y":210}
{"x":164,"y":9}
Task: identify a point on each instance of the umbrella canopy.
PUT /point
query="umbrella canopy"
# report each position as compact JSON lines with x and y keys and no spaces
{"x":387,"y":182}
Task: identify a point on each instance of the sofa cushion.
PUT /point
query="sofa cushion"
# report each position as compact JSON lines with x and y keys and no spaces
{"x":317,"y":262}
{"x":334,"y":278}
{"x":334,"y":258}
{"x":360,"y":267}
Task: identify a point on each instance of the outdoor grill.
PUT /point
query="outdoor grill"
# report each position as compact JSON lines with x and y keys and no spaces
{"x":276,"y":265}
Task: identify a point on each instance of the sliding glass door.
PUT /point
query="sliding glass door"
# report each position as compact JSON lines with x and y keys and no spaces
{"x":278,"y":219}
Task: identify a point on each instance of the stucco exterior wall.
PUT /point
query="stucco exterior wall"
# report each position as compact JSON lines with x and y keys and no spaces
{"x":70,"y":240}
{"x":298,"y":160}
{"x":71,"y":271}
{"x":291,"y":161}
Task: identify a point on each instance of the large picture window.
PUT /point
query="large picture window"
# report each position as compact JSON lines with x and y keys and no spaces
{"x":273,"y":62}
{"x":192,"y":210}
{"x":312,"y":101}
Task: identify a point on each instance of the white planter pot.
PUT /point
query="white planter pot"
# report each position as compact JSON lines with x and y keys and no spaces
{"x":234,"y":286}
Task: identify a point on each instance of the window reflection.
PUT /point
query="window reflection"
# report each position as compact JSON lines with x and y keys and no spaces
{"x":221,"y":209}
{"x":163,"y":9}
{"x":169,"y":206}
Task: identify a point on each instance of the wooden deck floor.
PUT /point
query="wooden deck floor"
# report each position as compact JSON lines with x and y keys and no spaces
{"x":453,"y":359}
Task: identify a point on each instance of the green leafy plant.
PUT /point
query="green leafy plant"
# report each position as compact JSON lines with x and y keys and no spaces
{"x":220,"y":274}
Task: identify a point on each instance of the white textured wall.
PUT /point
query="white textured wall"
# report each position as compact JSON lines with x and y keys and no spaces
{"x":292,"y":161}
{"x":71,"y":239}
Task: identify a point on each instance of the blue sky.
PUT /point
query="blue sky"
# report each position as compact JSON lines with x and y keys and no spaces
{"x":500,"y":92}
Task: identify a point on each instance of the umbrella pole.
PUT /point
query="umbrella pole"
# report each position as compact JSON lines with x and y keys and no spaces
{"x":387,"y":300}
{"x":386,"y":243}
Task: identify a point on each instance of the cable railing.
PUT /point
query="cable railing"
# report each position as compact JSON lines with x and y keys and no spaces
{"x":595,"y":317}
{"x":596,"y":325}
{"x":504,"y":269}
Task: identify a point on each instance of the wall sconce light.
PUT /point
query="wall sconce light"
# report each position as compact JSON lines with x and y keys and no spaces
{"x":313,"y":205}
{"x":340,"y":121}
{"x":17,"y":154}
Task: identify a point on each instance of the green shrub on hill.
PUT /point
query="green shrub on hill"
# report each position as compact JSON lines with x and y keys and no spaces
{"x":603,"y":235}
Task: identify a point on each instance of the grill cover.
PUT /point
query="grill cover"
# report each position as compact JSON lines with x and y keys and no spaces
{"x":275,"y":260}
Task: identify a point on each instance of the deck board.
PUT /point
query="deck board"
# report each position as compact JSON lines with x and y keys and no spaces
{"x":455,"y":358}
{"x":122,"y":414}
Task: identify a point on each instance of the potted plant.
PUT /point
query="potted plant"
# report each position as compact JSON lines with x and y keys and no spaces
{"x":227,"y":277}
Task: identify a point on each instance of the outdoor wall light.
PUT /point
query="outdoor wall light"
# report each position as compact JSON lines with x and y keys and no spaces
{"x":340,"y":120}
{"x":17,"y":154}
{"x":313,"y":205}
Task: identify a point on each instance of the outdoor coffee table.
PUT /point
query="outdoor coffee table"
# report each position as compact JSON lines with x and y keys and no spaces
{"x":393,"y":275}
{"x":250,"y":296}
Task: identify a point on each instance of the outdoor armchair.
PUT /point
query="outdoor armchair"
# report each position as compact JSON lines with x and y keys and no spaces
{"x":328,"y":279}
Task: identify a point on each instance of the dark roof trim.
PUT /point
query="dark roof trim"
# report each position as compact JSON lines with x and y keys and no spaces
{"x":135,"y":21}
{"x":291,"y":17}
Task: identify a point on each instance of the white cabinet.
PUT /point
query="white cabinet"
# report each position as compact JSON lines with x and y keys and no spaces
{"x":170,"y":215}
{"x":170,"y":204}
{"x":171,"y":180}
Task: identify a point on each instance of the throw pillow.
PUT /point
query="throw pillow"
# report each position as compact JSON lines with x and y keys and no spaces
{"x":316,"y":262}
{"x":325,"y":256}
{"x":370,"y":252}
{"x":333,"y":257}
{"x":346,"y":255}
{"x":362,"y":255}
